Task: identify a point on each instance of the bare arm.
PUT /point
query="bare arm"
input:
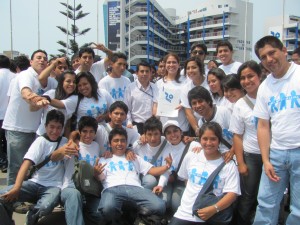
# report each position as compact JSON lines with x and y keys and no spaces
{"x":67,"y":150}
{"x":264,"y":138}
{"x":154,"y":108}
{"x":43,"y":77}
{"x":191,"y":118}
{"x":13,"y":194}
{"x":238,"y":147}
{"x":107,"y":51}
{"x":156,"y":171}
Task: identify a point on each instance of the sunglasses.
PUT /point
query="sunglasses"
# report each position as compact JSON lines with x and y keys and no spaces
{"x":198,"y":52}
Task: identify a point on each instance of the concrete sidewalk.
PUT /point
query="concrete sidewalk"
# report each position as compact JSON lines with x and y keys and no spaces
{"x":57,"y":218}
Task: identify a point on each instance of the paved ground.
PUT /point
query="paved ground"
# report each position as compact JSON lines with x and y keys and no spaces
{"x":57,"y":218}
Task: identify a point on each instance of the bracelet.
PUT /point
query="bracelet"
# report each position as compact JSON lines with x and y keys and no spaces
{"x":47,"y":97}
{"x":217,"y":208}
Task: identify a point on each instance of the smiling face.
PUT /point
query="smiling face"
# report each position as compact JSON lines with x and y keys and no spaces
{"x":87,"y":135}
{"x":250,"y":81}
{"x":84,"y":87}
{"x":233,"y":94}
{"x":210,"y":143}
{"x":202,"y":107}
{"x":214,"y":84}
{"x":53,"y":129}
{"x":118,"y":145}
{"x":173,"y":135}
{"x":192,"y":70}
{"x":172,"y":65}
{"x":69,"y":83}
{"x":225,"y":55}
{"x":274,"y":60}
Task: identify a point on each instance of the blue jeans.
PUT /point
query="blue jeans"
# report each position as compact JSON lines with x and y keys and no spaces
{"x":113,"y":198}
{"x":90,"y":208}
{"x":45,"y":199}
{"x":286,"y":165}
{"x":18,"y":144}
{"x":72,"y":202}
{"x":249,"y":186}
{"x":149,"y":181}
{"x":172,"y":194}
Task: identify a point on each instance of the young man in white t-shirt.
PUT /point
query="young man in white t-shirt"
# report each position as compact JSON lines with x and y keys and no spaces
{"x":86,"y":61}
{"x":44,"y":188}
{"x":278,"y":110}
{"x":114,"y":82}
{"x":225,"y":54}
{"x":117,"y":114}
{"x":120,"y":179}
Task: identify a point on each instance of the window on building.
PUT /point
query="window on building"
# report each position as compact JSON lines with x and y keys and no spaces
{"x":226,"y":5}
{"x":219,"y":6}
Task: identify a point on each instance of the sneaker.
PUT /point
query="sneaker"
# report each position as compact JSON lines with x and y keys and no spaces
{"x":30,"y":220}
{"x":22,"y":207}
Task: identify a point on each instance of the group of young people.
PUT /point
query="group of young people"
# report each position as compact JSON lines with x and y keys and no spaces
{"x":152,"y":167}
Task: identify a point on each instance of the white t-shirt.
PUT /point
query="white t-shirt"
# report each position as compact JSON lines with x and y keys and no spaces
{"x":222,"y":117}
{"x":102,"y":137}
{"x":97,"y":70}
{"x":52,"y":173}
{"x":70,"y":104}
{"x":94,"y":108}
{"x":175,"y":87}
{"x":5,"y":78}
{"x":89,"y":152}
{"x":244,"y":123}
{"x":18,"y":117}
{"x":140,"y":101}
{"x":196,"y":169}
{"x":278,"y":100}
{"x":231,"y":68}
{"x":120,"y":171}
{"x":115,"y":86}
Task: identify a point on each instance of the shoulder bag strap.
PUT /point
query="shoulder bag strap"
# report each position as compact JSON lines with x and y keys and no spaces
{"x":182,"y":156}
{"x":159,"y":152}
{"x":249,"y":103}
{"x":46,"y":160}
{"x":209,"y":182}
{"x":76,"y":109}
{"x":226,"y":143}
{"x":106,"y":128}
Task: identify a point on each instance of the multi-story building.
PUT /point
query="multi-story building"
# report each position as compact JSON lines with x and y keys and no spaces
{"x":148,"y":32}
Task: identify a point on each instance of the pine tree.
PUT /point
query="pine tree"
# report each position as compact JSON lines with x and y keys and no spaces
{"x":74,"y":14}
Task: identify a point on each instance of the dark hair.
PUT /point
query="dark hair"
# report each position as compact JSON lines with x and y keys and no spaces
{"x":117,"y":131}
{"x":13,"y":66}
{"x":214,"y":127}
{"x":59,"y":91}
{"x":178,"y":61}
{"x":74,"y":56}
{"x":160,"y":61}
{"x":118,"y":104}
{"x":4,"y":62}
{"x":152,"y":124}
{"x":231,"y":81}
{"x":214,"y":61}
{"x":152,"y":67}
{"x":143,"y":63}
{"x":220,"y":75}
{"x":251,"y":65}
{"x":224,"y":43}
{"x":117,"y":55}
{"x":87,"y":121}
{"x":198,"y":62}
{"x":91,"y":79}
{"x":55,"y":115}
{"x":296,"y":51}
{"x":200,"y":92}
{"x":22,"y":62}
{"x":37,"y":51}
{"x":199,"y":45}
{"x":267,"y":40}
{"x":86,"y":50}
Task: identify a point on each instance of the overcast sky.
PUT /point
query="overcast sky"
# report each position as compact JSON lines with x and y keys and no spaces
{"x":25,"y":20}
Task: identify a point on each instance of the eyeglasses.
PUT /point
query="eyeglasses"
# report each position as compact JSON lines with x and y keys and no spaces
{"x":198,"y":52}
